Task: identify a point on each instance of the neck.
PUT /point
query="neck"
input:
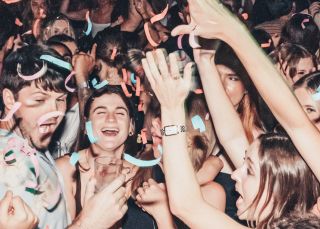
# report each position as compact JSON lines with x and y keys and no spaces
{"x":96,"y":151}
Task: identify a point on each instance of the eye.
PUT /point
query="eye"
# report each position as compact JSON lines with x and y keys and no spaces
{"x":61,"y":100}
{"x":121,"y":113}
{"x":310,"y":110}
{"x":234,"y":78}
{"x":301,"y":73}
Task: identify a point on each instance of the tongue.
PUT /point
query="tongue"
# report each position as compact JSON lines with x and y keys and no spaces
{"x":110,"y":133}
{"x":44,"y":129}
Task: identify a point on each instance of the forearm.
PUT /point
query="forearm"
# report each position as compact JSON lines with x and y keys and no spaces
{"x":179,"y":188}
{"x":77,"y":15}
{"x":210,"y":169}
{"x":268,"y":81}
{"x":165,"y":221}
{"x":278,"y":97}
{"x":226,"y":120}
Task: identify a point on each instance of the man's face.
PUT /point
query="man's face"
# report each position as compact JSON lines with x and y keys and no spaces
{"x":35,"y":103}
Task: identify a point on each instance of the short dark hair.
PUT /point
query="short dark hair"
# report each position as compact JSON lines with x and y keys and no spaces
{"x":8,"y":27}
{"x":303,"y":33}
{"x":108,"y":39}
{"x":83,"y":141}
{"x":29,"y":59}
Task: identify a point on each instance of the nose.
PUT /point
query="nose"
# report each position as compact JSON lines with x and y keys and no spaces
{"x":110,"y":117}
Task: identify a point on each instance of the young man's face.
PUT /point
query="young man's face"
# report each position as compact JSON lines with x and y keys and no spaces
{"x":35,"y":103}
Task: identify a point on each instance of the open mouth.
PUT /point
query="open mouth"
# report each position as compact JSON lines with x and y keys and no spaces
{"x":47,"y":127}
{"x":110,"y":132}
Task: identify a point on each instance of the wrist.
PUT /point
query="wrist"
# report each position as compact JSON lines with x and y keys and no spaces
{"x":173,"y":116}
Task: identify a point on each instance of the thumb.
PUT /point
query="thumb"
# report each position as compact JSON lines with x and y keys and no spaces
{"x":182,"y":29}
{"x":90,"y":189}
{"x":5,"y":203}
{"x":187,"y":74}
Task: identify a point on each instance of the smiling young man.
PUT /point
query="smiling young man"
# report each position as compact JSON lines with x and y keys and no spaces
{"x":27,"y":168}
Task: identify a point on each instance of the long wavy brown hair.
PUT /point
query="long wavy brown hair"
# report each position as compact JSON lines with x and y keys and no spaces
{"x":289,"y":182}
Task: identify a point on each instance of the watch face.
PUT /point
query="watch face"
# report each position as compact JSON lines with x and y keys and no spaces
{"x":171,"y":130}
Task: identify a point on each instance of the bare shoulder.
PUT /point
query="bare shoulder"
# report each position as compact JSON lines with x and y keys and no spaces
{"x":66,"y":167}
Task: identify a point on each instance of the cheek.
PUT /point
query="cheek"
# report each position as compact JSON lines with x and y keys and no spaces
{"x":235,"y":91}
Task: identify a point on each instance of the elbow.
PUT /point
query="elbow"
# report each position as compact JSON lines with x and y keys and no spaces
{"x":177,"y":208}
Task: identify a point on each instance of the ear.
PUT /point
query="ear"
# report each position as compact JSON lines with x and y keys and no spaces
{"x":8,"y":98}
{"x":131,"y":126}
{"x":46,"y":33}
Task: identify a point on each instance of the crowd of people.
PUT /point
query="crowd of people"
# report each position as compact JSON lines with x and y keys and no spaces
{"x":212,"y":108}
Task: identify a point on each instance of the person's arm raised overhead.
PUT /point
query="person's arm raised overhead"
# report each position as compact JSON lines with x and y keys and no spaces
{"x":226,"y":120}
{"x":211,"y":20}
{"x":184,"y":193}
{"x":73,"y":15}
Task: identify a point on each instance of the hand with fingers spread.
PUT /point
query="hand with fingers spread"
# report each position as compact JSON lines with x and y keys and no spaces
{"x":15,"y":213}
{"x":169,"y":86}
{"x":209,"y":19}
{"x":84,"y":64}
{"x":103,"y":209}
{"x":152,"y":197}
{"x":141,"y":7}
{"x":314,"y":10}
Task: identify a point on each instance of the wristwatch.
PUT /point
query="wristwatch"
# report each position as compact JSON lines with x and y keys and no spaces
{"x":172,"y":130}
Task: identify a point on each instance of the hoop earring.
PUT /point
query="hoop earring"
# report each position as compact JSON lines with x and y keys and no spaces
{"x":130,"y":133}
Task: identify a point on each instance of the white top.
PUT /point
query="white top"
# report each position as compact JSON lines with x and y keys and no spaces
{"x":31,"y":167}
{"x":96,"y":27}
{"x":69,"y":133}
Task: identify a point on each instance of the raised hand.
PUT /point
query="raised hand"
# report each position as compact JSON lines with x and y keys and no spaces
{"x":15,"y":213}
{"x":209,"y":19}
{"x":152,"y":197}
{"x":169,"y":86}
{"x":84,"y":63}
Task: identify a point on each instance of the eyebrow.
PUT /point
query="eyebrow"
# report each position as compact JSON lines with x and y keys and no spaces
{"x":39,"y":92}
{"x":117,"y":108}
{"x":65,"y":94}
{"x":122,"y":108}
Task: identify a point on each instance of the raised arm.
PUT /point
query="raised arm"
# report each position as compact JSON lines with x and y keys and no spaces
{"x":184,"y":193}
{"x":214,"y":21}
{"x":74,"y":15}
{"x":226,"y":121}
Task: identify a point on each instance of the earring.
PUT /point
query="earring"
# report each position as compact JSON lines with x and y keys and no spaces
{"x":130,"y":133}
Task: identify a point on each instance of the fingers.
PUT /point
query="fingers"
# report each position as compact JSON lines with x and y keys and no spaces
{"x":120,"y":193}
{"x":5,"y":203}
{"x":19,"y":208}
{"x":124,"y":209}
{"x":163,"y":67}
{"x":152,"y":182}
{"x":147,"y":72}
{"x":115,"y":184}
{"x":31,"y":217}
{"x":152,"y":64}
{"x":187,"y":74}
{"x":174,"y":67}
{"x":122,"y":201}
{"x":182,"y":29}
